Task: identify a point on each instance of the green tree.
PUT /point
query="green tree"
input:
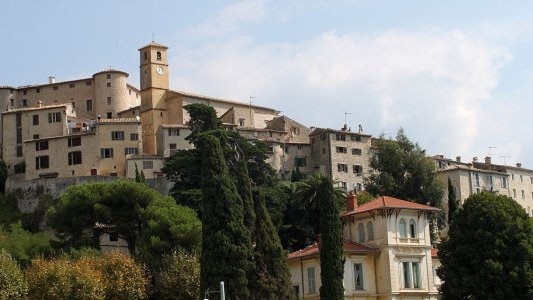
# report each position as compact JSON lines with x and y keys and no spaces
{"x":489,"y":251}
{"x":402,"y":170}
{"x":453,"y":204}
{"x":13,"y":285}
{"x":271,"y":275}
{"x":364,"y":197}
{"x":319,"y":191}
{"x":165,"y":227}
{"x":139,"y":176}
{"x":180,"y":276}
{"x":24,"y":245}
{"x":226,"y":255}
{"x":3,"y":176}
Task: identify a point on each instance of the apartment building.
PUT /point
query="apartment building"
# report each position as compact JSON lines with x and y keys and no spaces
{"x":387,"y":252}
{"x":344,"y":155}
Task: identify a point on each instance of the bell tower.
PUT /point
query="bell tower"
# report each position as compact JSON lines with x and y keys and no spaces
{"x":154,"y":86}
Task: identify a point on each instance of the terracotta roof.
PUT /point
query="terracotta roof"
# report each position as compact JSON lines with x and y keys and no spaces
{"x":194,"y":95}
{"x":144,"y":156}
{"x":434,"y":253}
{"x":115,"y":121}
{"x":154,"y":44}
{"x":174,"y":126}
{"x":348,"y":247}
{"x":470,"y":168}
{"x":317,"y":131}
{"x":44,"y":107}
{"x":388,"y":202}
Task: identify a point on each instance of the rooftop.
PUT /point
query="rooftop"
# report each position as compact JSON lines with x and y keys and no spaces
{"x":154,"y":44}
{"x":44,"y":107}
{"x":117,"y":121}
{"x":385,"y":202}
{"x":318,"y":131}
{"x":348,"y":247}
{"x":194,"y":95}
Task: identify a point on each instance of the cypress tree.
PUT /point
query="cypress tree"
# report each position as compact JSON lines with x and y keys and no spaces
{"x":244,"y":186}
{"x":226,"y":255}
{"x":271,"y":277}
{"x":331,"y":252}
{"x":452,"y":201}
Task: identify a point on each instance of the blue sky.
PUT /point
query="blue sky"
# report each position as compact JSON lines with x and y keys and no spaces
{"x":456,"y":75}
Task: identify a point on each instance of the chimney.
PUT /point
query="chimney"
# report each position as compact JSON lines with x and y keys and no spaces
{"x":518,"y":165}
{"x":458,"y":158}
{"x":360,"y":128}
{"x":487,"y":160}
{"x":344,"y":128}
{"x":51,"y":79}
{"x":39,"y":103}
{"x":351,"y":202}
{"x":474,"y":159}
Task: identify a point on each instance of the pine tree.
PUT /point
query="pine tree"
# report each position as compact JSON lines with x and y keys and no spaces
{"x":271,"y":276}
{"x":226,"y":255}
{"x":452,"y":201}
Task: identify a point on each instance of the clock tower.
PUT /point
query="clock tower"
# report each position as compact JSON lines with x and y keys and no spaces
{"x":154,"y":88}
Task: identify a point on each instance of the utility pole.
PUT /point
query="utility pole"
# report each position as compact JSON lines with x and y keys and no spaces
{"x":504,"y":157}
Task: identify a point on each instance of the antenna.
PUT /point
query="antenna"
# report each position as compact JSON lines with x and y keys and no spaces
{"x":490,"y":150}
{"x":345,"y":115}
{"x":153,"y":37}
{"x":504,"y":157}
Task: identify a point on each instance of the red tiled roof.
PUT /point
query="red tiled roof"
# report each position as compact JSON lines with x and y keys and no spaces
{"x":388,"y":202}
{"x":348,"y":247}
{"x":434,"y":253}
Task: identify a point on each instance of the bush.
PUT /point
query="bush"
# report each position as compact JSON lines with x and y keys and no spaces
{"x":23,"y":245}
{"x":180,"y":276}
{"x":12,"y":282}
{"x":124,"y":278}
{"x":65,"y":279}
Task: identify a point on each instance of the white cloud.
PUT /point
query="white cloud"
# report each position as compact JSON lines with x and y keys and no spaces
{"x":435,"y":83}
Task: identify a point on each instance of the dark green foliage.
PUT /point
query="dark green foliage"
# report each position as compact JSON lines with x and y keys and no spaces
{"x":165,"y":227}
{"x":297,"y":175}
{"x":23,"y":245}
{"x":226,"y":254}
{"x":203,"y":118}
{"x":244,"y":187}
{"x":489,"y":252}
{"x":3,"y":176}
{"x":364,"y":197}
{"x":318,"y":194}
{"x":139,"y":176}
{"x":452,"y":201}
{"x":271,"y":277}
{"x":9,"y":212}
{"x":402,"y":170}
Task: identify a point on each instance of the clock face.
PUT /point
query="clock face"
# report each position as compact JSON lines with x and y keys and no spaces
{"x":159,"y":70}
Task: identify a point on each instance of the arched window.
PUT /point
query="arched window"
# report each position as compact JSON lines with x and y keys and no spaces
{"x":158,"y":55}
{"x":361,"y":232}
{"x":412,"y":228}
{"x":370,"y":229}
{"x":403,"y":228}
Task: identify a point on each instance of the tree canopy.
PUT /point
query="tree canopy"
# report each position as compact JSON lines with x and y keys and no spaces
{"x":402,"y":170}
{"x":489,"y":251}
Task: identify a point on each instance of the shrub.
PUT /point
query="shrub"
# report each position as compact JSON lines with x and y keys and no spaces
{"x":124,"y":278}
{"x":24,"y":245}
{"x":180,"y":276}
{"x":12,"y":282}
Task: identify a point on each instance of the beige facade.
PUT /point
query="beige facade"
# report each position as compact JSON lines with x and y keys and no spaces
{"x":150,"y":165}
{"x":343,"y":155}
{"x":387,"y":253}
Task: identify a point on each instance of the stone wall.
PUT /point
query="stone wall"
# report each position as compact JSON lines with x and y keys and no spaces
{"x":28,"y":192}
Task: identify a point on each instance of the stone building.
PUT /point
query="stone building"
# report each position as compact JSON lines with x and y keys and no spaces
{"x":344,"y":155}
{"x":387,"y":253}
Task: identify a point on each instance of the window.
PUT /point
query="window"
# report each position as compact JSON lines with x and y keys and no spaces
{"x":311,"y":288}
{"x":55,"y":88}
{"x":35,"y":119}
{"x":512,"y":177}
{"x":131,"y":151}
{"x":117,"y":135}
{"x":41,"y":145}
{"x":343,"y":185}
{"x":19,"y":135}
{"x":113,"y":237}
{"x":504,"y":182}
{"x":89,"y":105}
{"x":358,"y":276}
{"x":158,"y":55}
{"x":342,"y":150}
{"x":24,"y":92}
{"x":173,"y":132}
{"x":403,"y":228}
{"x":35,"y":136}
{"x":108,"y":100}
{"x":340,"y":137}
{"x":37,"y":90}
{"x":342,"y":168}
{"x":145,"y":55}
{"x":296,"y":290}
{"x":356,"y":138}
{"x":356,"y":151}
{"x":18,"y":120}
{"x":370,"y":230}
{"x":19,"y":151}
{"x":74,"y":141}
{"x":42,"y":162}
{"x":106,"y":152}
{"x":521,"y":179}
{"x":323,"y":136}
{"x":109,"y":84}
{"x":108,"y":76}
{"x":476,"y":179}
{"x":148,"y":164}
{"x":134,"y":136}
{"x":241,"y":122}
{"x":54,"y":117}
{"x":523,"y":194}
{"x":412,"y":229}
{"x":12,"y":101}
{"x":109,"y":115}
{"x":300,"y":161}
{"x":531,"y":179}
{"x":360,"y":232}
{"x":73,"y":104}
{"x":489,"y":180}
{"x":88,"y":83}
{"x":295,"y":131}
{"x":411,"y":275}
{"x":24,"y":102}
{"x":74,"y":158}
{"x":514,"y":193}
{"x":358,"y":169}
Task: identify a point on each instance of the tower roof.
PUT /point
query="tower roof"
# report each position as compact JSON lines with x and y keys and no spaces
{"x":154,"y":44}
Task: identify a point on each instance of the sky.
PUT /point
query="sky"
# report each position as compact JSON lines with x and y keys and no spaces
{"x":457,"y":76}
